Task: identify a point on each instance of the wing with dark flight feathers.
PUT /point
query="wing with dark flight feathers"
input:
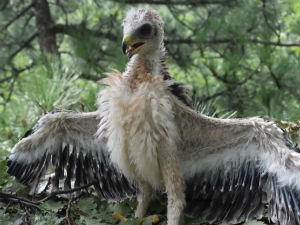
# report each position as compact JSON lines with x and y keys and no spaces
{"x":235,"y":168}
{"x":66,"y":142}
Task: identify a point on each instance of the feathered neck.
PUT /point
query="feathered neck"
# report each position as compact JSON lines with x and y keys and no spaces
{"x":151,"y":63}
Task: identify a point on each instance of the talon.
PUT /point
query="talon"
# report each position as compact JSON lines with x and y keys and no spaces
{"x":118,"y":216}
{"x":154,"y":218}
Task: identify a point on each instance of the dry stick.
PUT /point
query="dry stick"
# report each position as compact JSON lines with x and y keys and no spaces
{"x":34,"y":204}
{"x":14,"y":198}
{"x":68,"y":212}
{"x":69,"y":207}
{"x":54,"y":193}
{"x":7,"y":207}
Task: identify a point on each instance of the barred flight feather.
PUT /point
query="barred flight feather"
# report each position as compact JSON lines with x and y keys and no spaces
{"x":73,"y":157}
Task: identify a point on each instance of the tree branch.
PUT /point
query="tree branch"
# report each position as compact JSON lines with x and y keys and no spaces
{"x":224,"y":79}
{"x":23,"y":11}
{"x":6,"y":79}
{"x":90,"y":77}
{"x":54,"y":193}
{"x":24,"y":45}
{"x":27,"y":22}
{"x":174,"y":14}
{"x":179,"y":2}
{"x":230,"y":40}
{"x":209,"y":97}
{"x":14,"y":198}
{"x":275,"y":43}
{"x":77,"y":30}
{"x":17,"y":71}
{"x":267,"y":20}
{"x":24,"y":201}
{"x":274,"y":77}
{"x":68,"y":213}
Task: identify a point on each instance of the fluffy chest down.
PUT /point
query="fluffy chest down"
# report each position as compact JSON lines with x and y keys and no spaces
{"x":138,"y":124}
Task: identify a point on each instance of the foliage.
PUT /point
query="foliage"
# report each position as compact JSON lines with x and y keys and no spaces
{"x":234,"y":56}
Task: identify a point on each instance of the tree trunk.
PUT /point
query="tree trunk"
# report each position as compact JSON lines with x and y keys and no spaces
{"x":47,"y":39}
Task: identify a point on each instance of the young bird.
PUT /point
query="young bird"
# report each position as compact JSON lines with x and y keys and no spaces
{"x":145,"y":137}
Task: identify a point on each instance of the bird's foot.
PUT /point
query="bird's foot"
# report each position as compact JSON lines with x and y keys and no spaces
{"x":118,"y":216}
{"x":154,"y":218}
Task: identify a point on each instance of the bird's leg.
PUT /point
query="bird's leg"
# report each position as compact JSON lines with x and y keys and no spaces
{"x":144,"y":197}
{"x":174,"y":185}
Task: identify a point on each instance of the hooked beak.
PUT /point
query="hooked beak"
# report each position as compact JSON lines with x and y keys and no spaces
{"x":124,"y":47}
{"x":130,"y":48}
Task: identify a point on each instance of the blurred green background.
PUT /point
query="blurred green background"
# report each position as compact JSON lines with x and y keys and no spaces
{"x":238,"y":56}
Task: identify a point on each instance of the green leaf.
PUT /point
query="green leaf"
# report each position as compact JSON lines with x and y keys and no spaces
{"x":53,"y":206}
{"x":45,"y":219}
{"x":91,"y":221}
{"x":5,"y":178}
{"x":86,"y":204}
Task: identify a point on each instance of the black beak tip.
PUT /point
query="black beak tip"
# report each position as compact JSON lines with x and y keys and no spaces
{"x":124,"y":47}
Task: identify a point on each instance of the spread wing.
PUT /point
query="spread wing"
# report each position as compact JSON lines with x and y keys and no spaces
{"x":66,"y":142}
{"x":235,"y":167}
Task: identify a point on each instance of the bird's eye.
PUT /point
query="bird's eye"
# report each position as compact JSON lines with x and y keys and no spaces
{"x":145,"y":30}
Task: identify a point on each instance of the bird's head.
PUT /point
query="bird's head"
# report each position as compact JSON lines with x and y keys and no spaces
{"x":143,"y":32}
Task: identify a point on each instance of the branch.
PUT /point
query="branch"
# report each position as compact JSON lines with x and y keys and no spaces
{"x":27,"y":22}
{"x":7,"y":78}
{"x":174,"y":14}
{"x":224,"y":79}
{"x":209,"y":97}
{"x":68,"y":213}
{"x":276,"y":80}
{"x":24,"y":68}
{"x":14,"y":198}
{"x":90,"y":77}
{"x":77,"y":30}
{"x":267,"y":20}
{"x":34,"y":204}
{"x":18,"y":16}
{"x":278,"y":43}
{"x":15,"y":74}
{"x":216,"y":75}
{"x":12,"y":85}
{"x":54,"y":193}
{"x":179,"y":2}
{"x":24,"y":45}
{"x":17,"y":71}
{"x":230,"y":40}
